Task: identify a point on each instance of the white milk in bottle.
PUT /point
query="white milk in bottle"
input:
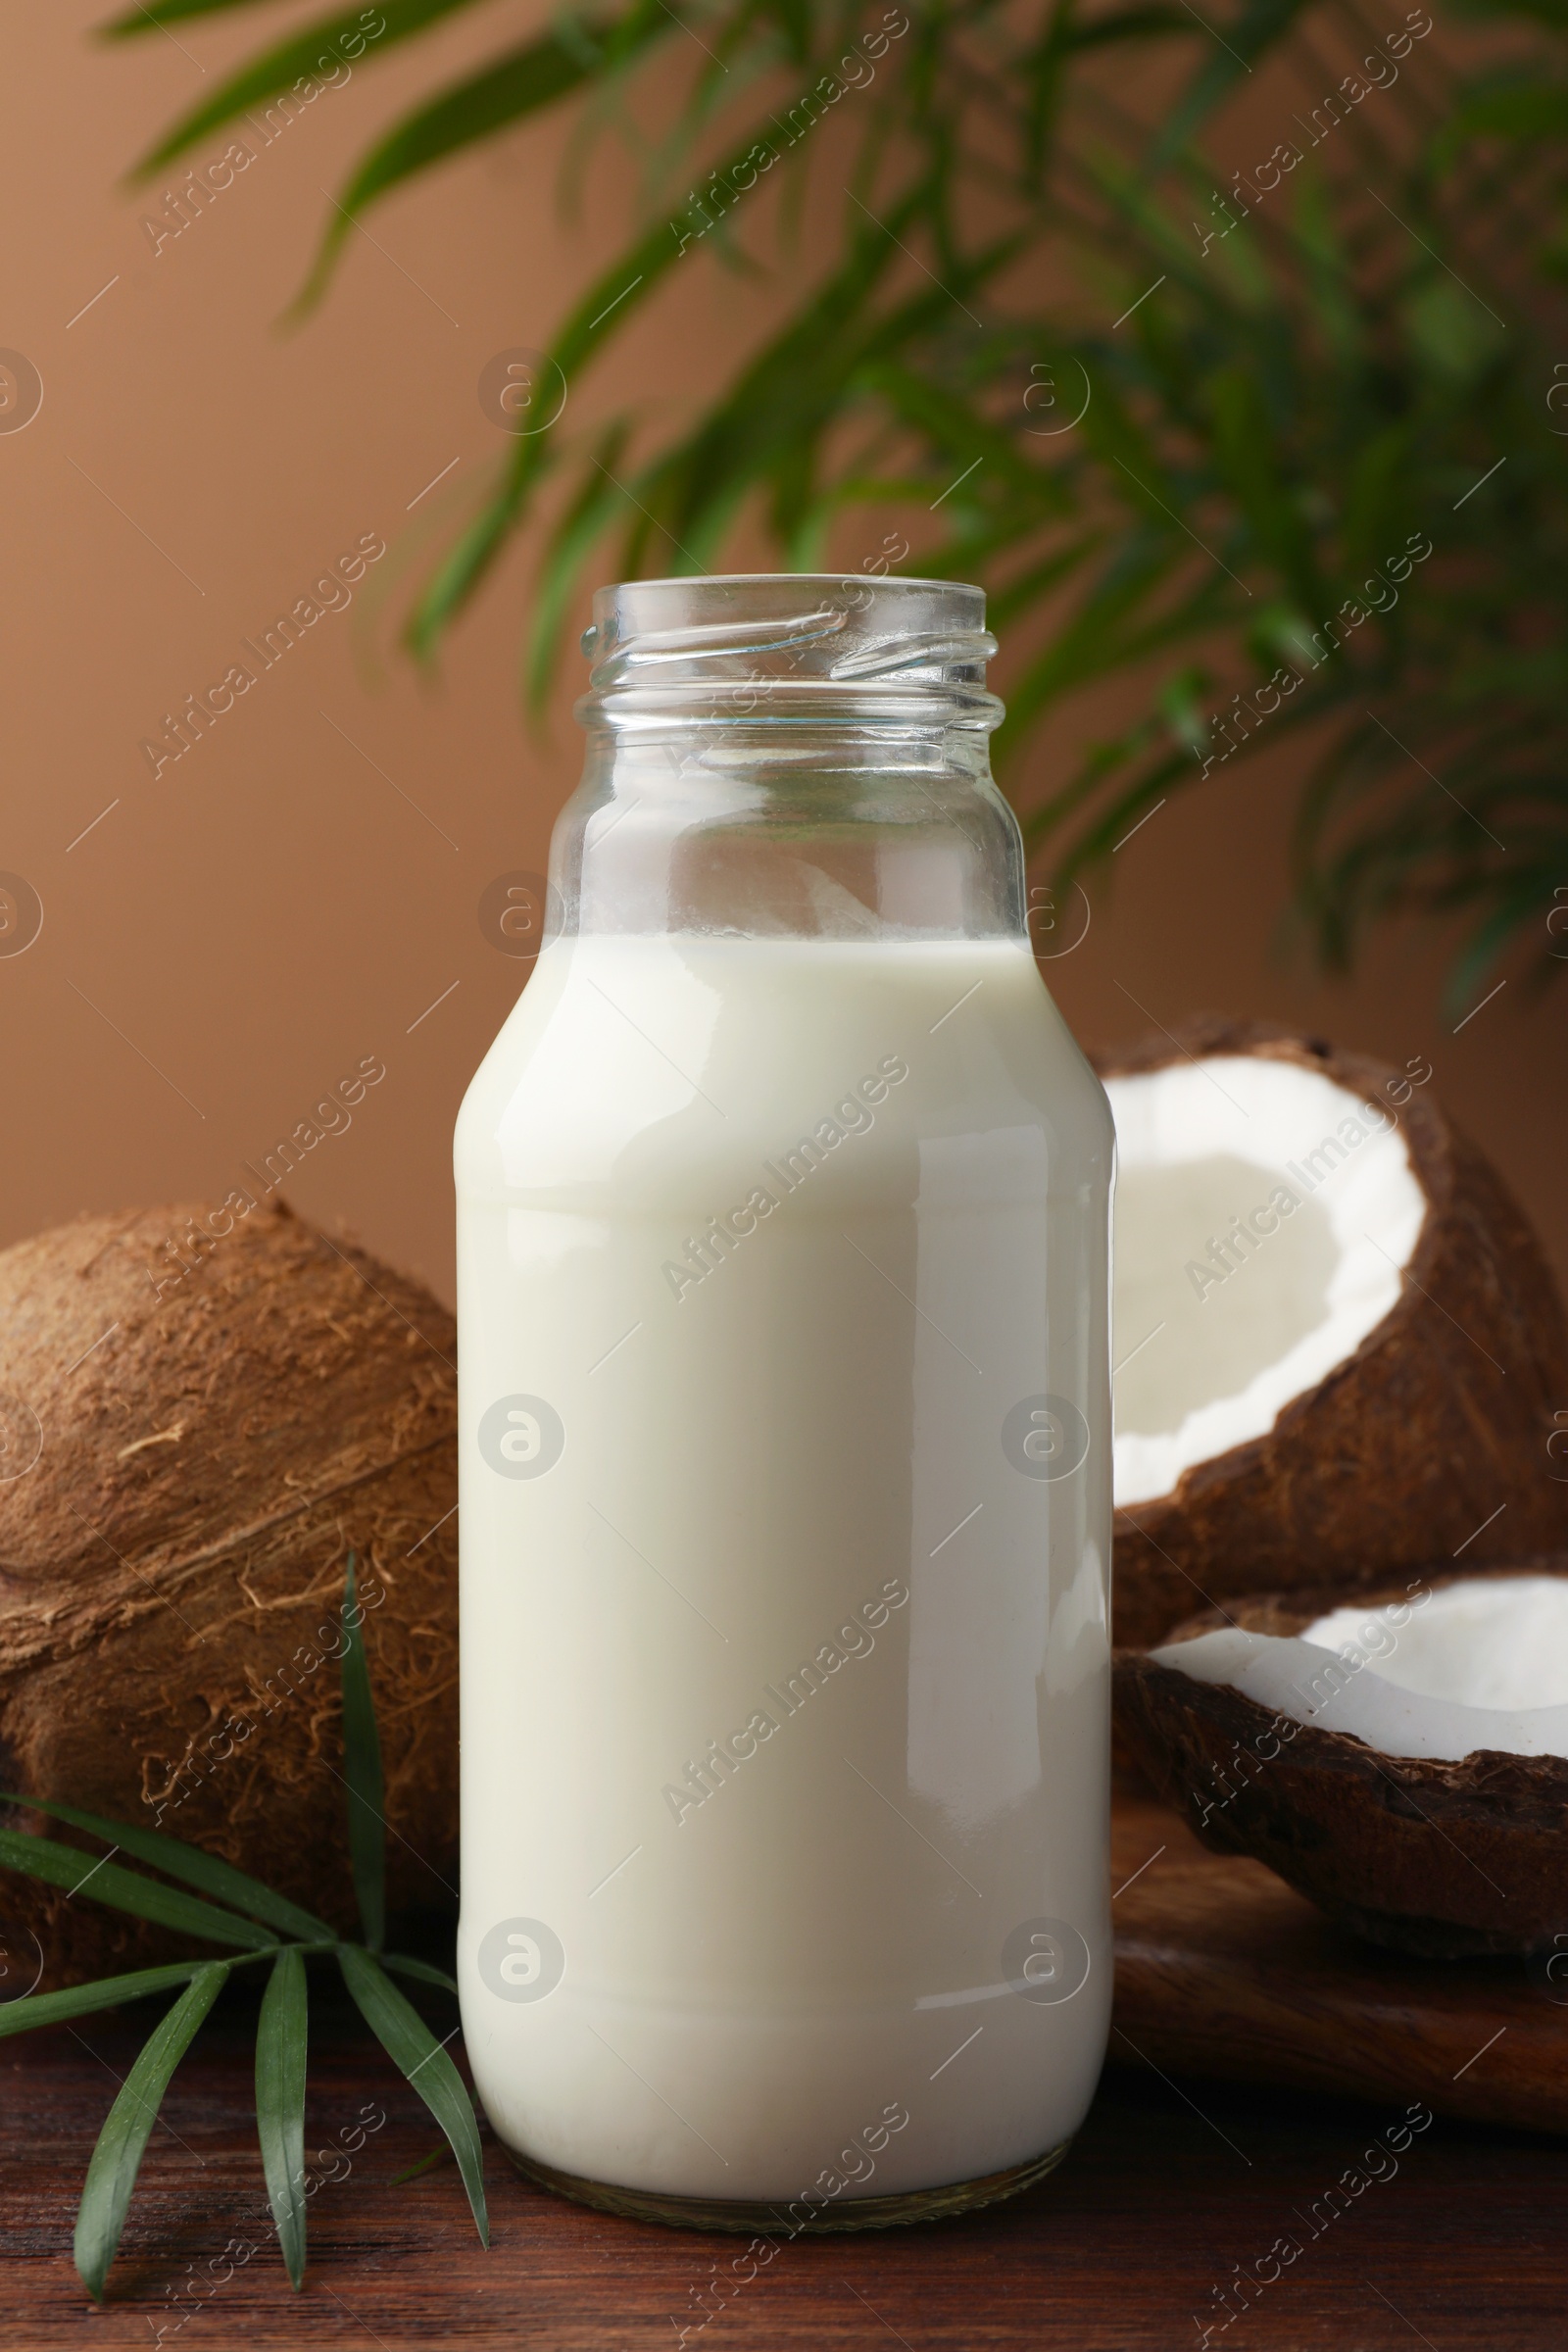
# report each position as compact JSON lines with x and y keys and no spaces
{"x":783,"y":1201}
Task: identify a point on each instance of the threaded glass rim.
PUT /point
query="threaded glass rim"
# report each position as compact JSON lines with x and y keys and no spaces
{"x":770,"y":648}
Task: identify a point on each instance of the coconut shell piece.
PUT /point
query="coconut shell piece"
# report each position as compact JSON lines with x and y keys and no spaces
{"x":1442,"y":1412}
{"x":210,"y":1445}
{"x":1442,"y":1859}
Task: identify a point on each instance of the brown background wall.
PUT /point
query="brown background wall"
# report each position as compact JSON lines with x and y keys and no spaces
{"x":230,"y":939}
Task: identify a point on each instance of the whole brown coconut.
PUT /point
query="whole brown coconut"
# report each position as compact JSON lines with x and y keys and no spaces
{"x":1442,"y":1858}
{"x":1442,"y":1414}
{"x":188,"y":1459}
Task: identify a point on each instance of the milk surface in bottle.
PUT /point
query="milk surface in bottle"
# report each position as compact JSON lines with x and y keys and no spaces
{"x":783,"y":1201}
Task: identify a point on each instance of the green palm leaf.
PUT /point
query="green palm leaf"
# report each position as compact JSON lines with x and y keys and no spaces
{"x":178,"y":1860}
{"x":1291,"y":371}
{"x":69,"y":1866}
{"x":621,"y":289}
{"x":521,"y":83}
{"x":166,"y":12}
{"x":412,"y":2046}
{"x":756,"y":429}
{"x":301,"y":54}
{"x":280,"y":2052}
{"x":112,"y":2173}
{"x":82,"y":2001}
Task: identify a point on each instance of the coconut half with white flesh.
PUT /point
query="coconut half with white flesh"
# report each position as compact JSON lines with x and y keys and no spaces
{"x":1402,"y":1760}
{"x":1338,"y":1344}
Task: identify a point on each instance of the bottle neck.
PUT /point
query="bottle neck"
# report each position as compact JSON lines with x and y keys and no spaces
{"x":789,"y":758}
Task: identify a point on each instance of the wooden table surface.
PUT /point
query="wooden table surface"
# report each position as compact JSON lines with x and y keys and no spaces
{"x":1169,"y":2192}
{"x":1222,"y":1970}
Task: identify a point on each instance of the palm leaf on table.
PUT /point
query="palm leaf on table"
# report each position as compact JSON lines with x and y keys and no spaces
{"x":282,"y":2039}
{"x":112,"y":2173}
{"x":256,"y":1924}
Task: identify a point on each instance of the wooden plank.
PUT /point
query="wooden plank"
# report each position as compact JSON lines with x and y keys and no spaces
{"x":1223,"y":1970}
{"x":1116,"y":2253}
{"x":1169,"y":2193}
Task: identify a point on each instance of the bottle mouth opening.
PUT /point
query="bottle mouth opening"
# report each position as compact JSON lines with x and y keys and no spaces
{"x":792,"y":648}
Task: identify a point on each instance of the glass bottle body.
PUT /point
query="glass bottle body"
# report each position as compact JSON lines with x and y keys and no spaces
{"x":783,"y":1206}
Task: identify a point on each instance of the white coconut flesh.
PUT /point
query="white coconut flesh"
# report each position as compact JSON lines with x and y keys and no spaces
{"x":1264,"y":1216}
{"x":1480,"y":1663}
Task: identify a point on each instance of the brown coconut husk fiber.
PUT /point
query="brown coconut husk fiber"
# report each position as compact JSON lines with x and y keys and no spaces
{"x":1441,"y":1413}
{"x":209,"y":1451}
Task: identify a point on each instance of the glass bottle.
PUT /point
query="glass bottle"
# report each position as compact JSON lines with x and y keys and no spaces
{"x":783,"y":1203}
